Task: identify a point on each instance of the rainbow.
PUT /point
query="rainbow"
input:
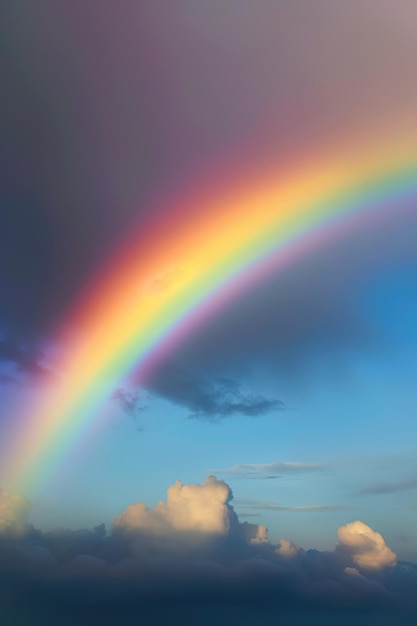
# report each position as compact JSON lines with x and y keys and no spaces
{"x":193,"y":256}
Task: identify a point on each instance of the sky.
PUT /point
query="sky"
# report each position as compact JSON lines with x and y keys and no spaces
{"x":288,"y":412}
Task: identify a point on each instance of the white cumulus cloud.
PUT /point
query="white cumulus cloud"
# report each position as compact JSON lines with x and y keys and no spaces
{"x":200,"y":508}
{"x":366,"y":547}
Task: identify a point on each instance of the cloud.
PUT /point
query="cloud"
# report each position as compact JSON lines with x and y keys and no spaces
{"x":212,"y":399}
{"x":190,"y":553}
{"x":14,"y":512}
{"x":366,"y":547}
{"x":132,"y":403}
{"x":57,"y":204}
{"x":259,"y":505}
{"x":202,"y":508}
{"x":287,"y":548}
{"x":26,"y":361}
{"x":403,"y":485}
{"x":352,"y":571}
{"x":261,"y":535}
{"x":267,"y":471}
{"x":268,"y":329}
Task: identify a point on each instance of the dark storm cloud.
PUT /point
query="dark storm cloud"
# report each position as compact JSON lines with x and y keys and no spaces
{"x":72,"y":147}
{"x":297,"y":325}
{"x":211,"y":399}
{"x":97,"y":119}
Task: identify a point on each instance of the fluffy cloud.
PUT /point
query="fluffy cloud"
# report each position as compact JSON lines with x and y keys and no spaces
{"x":199,"y":508}
{"x":287,"y":548}
{"x":14,"y":511}
{"x":366,"y":547}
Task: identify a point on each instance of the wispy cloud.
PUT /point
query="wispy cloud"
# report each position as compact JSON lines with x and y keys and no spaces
{"x":267,"y":471}
{"x":264,"y":505}
{"x":381,"y":488}
{"x":132,"y":403}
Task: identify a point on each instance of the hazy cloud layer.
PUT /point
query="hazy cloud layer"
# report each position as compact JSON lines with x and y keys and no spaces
{"x":393,"y":487}
{"x":262,"y":505}
{"x":268,"y":471}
